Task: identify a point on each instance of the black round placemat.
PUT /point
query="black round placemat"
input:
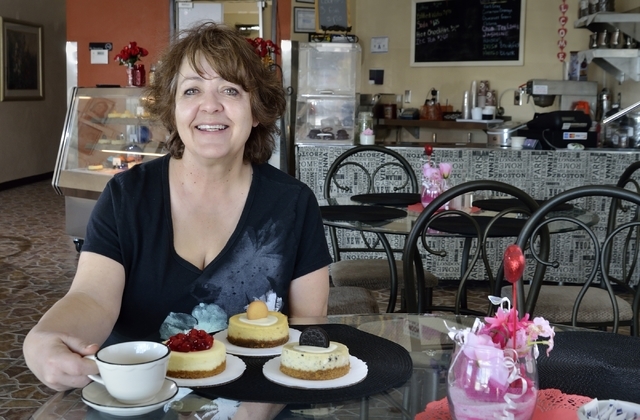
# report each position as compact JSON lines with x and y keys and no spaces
{"x":499,"y":204}
{"x":387,"y":199}
{"x":389,"y":365}
{"x":595,"y":364}
{"x":461,"y":225}
{"x":357,"y":213}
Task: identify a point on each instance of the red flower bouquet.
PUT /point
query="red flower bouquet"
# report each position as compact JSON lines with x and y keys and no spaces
{"x":130,"y":54}
{"x":264,"y":47}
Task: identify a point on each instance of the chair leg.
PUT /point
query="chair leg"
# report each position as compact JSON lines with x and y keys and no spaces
{"x":428,"y":299}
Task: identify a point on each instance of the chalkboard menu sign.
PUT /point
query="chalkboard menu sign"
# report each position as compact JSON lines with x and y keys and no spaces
{"x":467,"y":32}
{"x":332,"y":15}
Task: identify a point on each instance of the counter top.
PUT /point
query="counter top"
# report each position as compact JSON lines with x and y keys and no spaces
{"x":460,"y":125}
{"x":471,"y":146}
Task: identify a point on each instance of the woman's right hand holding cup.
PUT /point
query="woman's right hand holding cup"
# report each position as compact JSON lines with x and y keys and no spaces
{"x":58,"y":359}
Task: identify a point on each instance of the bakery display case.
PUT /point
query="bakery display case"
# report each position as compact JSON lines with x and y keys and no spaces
{"x":106,"y":131}
{"x":323,"y":78}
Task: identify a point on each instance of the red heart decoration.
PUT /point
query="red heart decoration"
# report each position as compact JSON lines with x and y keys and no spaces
{"x":513,"y":263}
{"x":428,"y":149}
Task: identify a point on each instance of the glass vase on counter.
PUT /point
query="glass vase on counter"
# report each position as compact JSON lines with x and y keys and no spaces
{"x":431,"y":184}
{"x":365,"y":122}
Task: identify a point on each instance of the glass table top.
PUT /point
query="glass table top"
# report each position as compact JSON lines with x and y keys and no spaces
{"x":423,"y":336}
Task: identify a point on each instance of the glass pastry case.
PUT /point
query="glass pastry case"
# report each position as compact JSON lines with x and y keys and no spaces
{"x":106,"y":131}
{"x":323,"y":77}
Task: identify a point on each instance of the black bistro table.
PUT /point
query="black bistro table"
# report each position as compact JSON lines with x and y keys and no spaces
{"x":367,"y":216}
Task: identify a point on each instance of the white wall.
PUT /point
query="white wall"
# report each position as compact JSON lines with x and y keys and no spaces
{"x":30,"y":130}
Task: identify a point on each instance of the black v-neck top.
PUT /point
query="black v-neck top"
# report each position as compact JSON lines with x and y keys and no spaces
{"x":279,"y":237}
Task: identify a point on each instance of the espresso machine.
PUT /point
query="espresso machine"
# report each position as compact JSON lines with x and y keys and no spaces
{"x":571,"y":126}
{"x":570,"y":92}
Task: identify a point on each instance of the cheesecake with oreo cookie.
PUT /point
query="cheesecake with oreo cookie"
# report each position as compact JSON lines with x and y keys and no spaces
{"x":315,"y":357}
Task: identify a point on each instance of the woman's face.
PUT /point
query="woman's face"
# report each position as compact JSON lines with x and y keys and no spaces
{"x":213,"y":116}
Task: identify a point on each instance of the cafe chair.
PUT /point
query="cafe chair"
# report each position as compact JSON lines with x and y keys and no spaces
{"x":467,"y":237}
{"x":625,"y":273}
{"x":346,"y":300}
{"x":596,"y":303}
{"x":383,"y":171}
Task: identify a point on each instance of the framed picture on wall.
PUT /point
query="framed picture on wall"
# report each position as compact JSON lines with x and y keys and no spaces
{"x":20,"y":61}
{"x":304,"y":19}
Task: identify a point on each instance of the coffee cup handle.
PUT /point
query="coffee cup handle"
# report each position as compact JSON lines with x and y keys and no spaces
{"x":95,"y":378}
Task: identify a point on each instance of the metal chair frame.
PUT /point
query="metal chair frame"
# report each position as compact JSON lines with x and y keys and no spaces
{"x":629,"y":262}
{"x":602,"y":256}
{"x":410,"y":184}
{"x":420,"y":232}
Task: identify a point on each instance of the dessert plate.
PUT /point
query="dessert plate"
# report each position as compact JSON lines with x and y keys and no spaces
{"x":357,"y":373}
{"x":96,"y":396}
{"x":221,"y":336}
{"x":235,"y":368}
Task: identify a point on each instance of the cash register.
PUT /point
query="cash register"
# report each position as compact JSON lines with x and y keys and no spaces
{"x":560,"y":130}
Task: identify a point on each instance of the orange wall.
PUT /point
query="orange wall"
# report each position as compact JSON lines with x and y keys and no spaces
{"x":119,"y":22}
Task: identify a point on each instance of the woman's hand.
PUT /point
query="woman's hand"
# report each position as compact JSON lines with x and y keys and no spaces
{"x":76,"y":325}
{"x":58,"y":360}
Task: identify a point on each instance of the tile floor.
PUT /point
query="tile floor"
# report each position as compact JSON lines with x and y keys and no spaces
{"x":37,"y":263}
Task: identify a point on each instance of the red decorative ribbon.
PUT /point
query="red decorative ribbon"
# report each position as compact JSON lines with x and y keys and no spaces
{"x":514,"y":264}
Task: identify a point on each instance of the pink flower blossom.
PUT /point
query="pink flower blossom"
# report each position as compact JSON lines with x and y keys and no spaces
{"x":499,"y":329}
{"x":429,"y":172}
{"x":445,"y":169}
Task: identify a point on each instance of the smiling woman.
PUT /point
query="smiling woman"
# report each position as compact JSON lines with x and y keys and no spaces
{"x":255,"y":80}
{"x":187,"y":240}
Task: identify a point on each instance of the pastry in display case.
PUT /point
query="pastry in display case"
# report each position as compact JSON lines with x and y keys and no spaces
{"x":106,"y":131}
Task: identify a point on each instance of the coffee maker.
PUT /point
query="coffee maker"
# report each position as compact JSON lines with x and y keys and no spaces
{"x":571,"y":93}
{"x":572,"y":124}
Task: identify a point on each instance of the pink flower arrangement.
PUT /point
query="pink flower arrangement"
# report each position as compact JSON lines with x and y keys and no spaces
{"x":527,"y":332}
{"x":436,"y":173}
{"x":497,"y":332}
{"x":490,"y":371}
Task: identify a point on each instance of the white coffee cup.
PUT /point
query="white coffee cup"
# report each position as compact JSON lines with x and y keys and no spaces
{"x":476,"y":113}
{"x":133,"y":372}
{"x":517,"y":142}
{"x":488,"y":112}
{"x":367,"y":139}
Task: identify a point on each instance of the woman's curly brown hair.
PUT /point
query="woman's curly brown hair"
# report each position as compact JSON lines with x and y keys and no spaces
{"x":234,"y":59}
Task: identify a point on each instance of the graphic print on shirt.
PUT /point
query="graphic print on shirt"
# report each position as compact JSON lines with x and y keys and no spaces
{"x":226,"y":287}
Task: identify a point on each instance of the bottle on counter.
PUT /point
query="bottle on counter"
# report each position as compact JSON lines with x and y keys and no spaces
{"x":152,"y":74}
{"x":139,"y":76}
{"x":365,"y":121}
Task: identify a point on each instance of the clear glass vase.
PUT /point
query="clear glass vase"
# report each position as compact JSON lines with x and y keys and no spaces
{"x":430,"y":190}
{"x":129,"y":76}
{"x":487,"y":383}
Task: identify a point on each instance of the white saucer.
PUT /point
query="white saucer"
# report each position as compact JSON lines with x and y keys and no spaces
{"x":95,"y":395}
{"x":235,"y":368}
{"x":221,"y":336}
{"x":357,"y":373}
